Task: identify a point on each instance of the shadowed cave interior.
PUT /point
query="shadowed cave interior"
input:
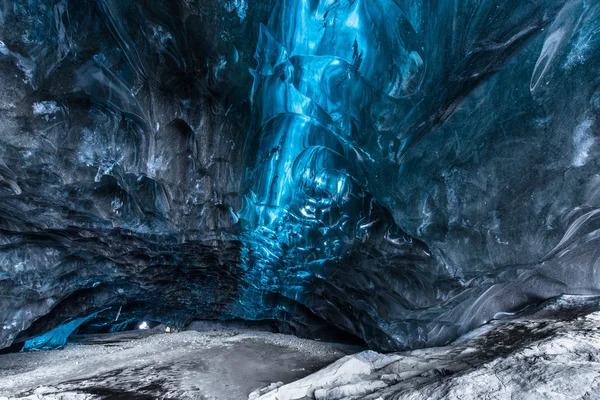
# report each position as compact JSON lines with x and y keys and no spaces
{"x":390,"y":174}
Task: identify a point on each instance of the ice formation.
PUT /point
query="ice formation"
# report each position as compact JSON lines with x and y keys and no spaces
{"x":399,"y":171}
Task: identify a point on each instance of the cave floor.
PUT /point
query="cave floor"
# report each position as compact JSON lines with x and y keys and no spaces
{"x":549,"y":351}
{"x":210,"y":364}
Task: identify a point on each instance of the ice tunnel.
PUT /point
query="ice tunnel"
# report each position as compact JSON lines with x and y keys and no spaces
{"x":390,"y":172}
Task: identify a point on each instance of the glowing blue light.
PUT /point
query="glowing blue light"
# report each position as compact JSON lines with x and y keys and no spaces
{"x":307,"y":197}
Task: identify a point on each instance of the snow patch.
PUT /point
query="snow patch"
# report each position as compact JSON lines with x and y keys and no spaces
{"x":46,"y":108}
{"x":582,"y":142}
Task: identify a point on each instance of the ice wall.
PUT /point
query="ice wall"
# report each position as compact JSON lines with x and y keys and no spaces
{"x":122,"y":125}
{"x":417,"y":168}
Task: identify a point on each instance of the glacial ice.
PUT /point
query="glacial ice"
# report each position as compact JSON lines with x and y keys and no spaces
{"x":399,"y":171}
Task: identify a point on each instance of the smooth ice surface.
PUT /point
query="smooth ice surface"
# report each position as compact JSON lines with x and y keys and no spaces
{"x":56,"y":338}
{"x":396,"y":171}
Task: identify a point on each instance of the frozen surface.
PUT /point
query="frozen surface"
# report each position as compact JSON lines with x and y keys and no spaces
{"x":190,"y":365}
{"x":395,"y":171}
{"x":418,"y":166}
{"x":549,"y":354}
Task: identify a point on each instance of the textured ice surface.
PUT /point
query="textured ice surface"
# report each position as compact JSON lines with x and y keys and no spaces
{"x":399,"y":170}
{"x":418,"y":167}
{"x":550,"y":353}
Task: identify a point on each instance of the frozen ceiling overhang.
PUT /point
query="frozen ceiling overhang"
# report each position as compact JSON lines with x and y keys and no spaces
{"x":397,"y":171}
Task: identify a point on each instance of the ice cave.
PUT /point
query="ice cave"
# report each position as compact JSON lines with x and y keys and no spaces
{"x":299,"y":199}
